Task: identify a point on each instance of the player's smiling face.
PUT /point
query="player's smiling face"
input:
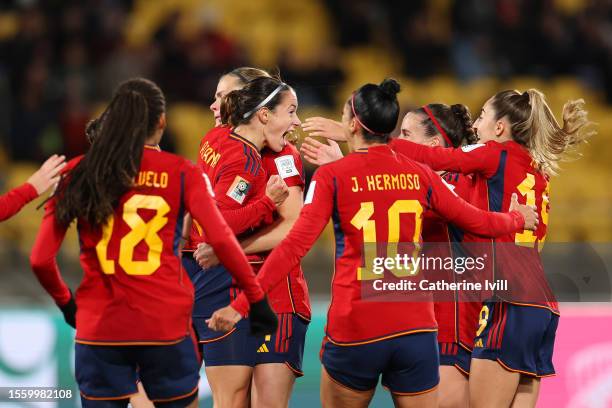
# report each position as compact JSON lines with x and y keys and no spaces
{"x":414,"y":130}
{"x":282,"y":120}
{"x":227,"y":84}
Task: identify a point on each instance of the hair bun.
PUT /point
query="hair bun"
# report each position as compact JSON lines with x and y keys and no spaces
{"x":390,"y":87}
{"x":462,"y":115}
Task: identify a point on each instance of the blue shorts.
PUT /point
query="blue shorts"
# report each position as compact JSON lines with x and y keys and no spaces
{"x":409,"y":364}
{"x":453,"y":354}
{"x":520,"y":338}
{"x":212,"y":288}
{"x":240,"y":347}
{"x":167,"y":372}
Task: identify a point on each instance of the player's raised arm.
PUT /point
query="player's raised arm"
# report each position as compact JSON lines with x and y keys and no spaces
{"x":477,"y":158}
{"x":38,"y":183}
{"x":470,"y":218}
{"x":313,"y":218}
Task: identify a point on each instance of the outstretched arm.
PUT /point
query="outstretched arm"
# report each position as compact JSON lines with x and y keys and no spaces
{"x":45,"y":177}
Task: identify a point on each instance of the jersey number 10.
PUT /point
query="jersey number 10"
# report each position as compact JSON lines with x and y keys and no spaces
{"x":361,"y":220}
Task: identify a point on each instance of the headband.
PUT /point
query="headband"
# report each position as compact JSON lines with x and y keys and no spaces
{"x":263,"y":103}
{"x":437,"y":125}
{"x":359,"y":121}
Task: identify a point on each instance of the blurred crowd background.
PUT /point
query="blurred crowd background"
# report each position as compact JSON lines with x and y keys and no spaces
{"x":60,"y":60}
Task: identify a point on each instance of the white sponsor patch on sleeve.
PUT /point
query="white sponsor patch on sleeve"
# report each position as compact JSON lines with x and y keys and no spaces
{"x":208,"y":185}
{"x":286,"y":166}
{"x":238,"y":190}
{"x":310,"y":193}
{"x":469,"y":148}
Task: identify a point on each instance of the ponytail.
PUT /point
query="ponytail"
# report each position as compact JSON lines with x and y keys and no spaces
{"x":534,"y":126}
{"x":94,"y":187}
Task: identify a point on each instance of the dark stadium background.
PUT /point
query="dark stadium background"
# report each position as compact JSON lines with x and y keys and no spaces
{"x":60,"y":60}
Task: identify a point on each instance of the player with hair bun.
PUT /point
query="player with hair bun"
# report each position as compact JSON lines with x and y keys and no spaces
{"x":359,"y":345}
{"x":433,"y":124}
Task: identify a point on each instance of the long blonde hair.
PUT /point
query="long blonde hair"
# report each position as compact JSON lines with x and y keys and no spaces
{"x":534,"y":126}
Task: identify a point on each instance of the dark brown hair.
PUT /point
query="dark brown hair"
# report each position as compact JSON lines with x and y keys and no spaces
{"x":238,"y":107}
{"x":377,"y":109}
{"x":455,"y":121}
{"x":93,"y":188}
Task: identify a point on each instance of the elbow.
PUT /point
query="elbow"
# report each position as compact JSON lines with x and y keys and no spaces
{"x":38,"y":262}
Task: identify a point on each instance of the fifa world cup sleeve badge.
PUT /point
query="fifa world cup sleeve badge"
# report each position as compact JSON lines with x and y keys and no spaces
{"x":238,"y":189}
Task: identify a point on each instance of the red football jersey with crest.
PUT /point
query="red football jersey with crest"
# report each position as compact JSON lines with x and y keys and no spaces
{"x":14,"y":200}
{"x":233,"y":165}
{"x":374,"y":196}
{"x":500,"y":170}
{"x":291,"y":294}
{"x":134,"y":289}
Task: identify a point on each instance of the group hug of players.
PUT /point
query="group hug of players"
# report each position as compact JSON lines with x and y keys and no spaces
{"x":185,"y":264}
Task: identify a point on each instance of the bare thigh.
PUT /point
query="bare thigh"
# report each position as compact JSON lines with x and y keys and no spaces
{"x":271,"y":386}
{"x":230,"y":385}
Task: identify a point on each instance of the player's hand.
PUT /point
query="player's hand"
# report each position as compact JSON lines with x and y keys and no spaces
{"x":69,"y":311}
{"x":205,"y":256}
{"x":327,"y":128}
{"x":262,"y":318}
{"x":224,"y":319}
{"x":529,"y":213}
{"x":318,"y":153}
{"x":49,"y":174}
{"x":277,"y":190}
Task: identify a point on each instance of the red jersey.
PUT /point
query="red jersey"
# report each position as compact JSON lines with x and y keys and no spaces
{"x":456,"y":319}
{"x":499,"y":170}
{"x":233,"y":165}
{"x":366,"y":194}
{"x":134,"y":289}
{"x":14,"y":200}
{"x":291,"y":294}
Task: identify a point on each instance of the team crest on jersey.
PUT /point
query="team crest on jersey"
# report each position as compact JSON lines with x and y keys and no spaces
{"x":239,"y":189}
{"x":286,"y":166}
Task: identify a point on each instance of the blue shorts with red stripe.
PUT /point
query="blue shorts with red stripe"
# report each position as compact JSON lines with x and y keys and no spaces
{"x":111,"y":373}
{"x":240,"y":347}
{"x":521,"y":338}
{"x":409,"y":364}
{"x":454,"y":354}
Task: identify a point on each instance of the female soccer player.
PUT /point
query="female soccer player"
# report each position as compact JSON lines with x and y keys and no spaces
{"x":431,"y":125}
{"x":366,"y":194}
{"x":279,"y":362}
{"x":259,"y":115}
{"x":133,"y":308}
{"x":522,"y":145}
{"x":48,"y":175}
